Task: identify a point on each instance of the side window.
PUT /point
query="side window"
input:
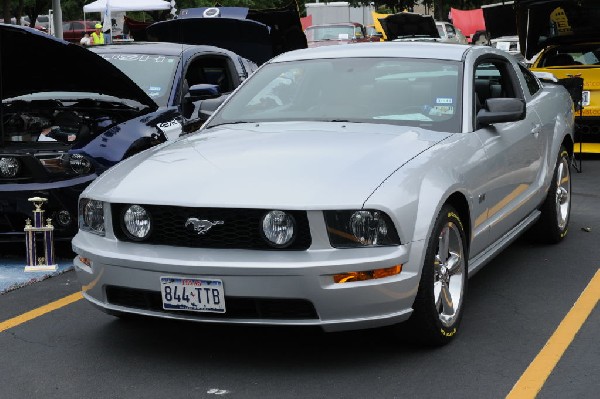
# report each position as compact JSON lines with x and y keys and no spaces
{"x":492,"y":80}
{"x":77,"y":25}
{"x":451,"y":31}
{"x":533,"y":85}
{"x":358,"y":32}
{"x":210,"y":70}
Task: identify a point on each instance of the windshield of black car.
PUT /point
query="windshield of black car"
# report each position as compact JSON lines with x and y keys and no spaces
{"x":400,"y":91}
{"x":152,"y":72}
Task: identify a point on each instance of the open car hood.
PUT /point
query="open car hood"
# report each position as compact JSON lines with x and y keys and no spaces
{"x":32,"y":62}
{"x":408,"y":24}
{"x":257,"y":35}
{"x":541,"y":23}
{"x":500,"y":19}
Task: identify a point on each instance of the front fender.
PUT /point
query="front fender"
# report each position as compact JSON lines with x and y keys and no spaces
{"x":123,"y":140}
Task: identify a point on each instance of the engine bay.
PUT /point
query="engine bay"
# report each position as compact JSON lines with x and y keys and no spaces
{"x":59,"y":121}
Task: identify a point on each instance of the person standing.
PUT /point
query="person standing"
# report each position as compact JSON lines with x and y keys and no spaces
{"x":97,"y":35}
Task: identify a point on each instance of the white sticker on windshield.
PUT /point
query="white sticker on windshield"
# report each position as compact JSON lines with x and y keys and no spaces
{"x":154,"y":88}
{"x":443,"y":100}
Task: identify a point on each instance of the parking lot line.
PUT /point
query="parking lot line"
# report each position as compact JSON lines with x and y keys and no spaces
{"x":32,"y":314}
{"x":533,"y":379}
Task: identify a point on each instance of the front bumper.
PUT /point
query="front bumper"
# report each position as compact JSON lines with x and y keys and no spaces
{"x":62,"y":196}
{"x":261,"y":287}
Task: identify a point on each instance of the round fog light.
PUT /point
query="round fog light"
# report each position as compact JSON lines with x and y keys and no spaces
{"x":278,"y":228}
{"x":63,"y":218}
{"x":137,"y":223}
{"x":9,"y":167}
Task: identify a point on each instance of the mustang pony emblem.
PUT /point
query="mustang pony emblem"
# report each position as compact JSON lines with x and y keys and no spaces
{"x":202,"y":226}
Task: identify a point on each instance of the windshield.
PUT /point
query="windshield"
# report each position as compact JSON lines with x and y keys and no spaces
{"x":153,"y":73}
{"x":398,"y":91}
{"x":330,"y":32}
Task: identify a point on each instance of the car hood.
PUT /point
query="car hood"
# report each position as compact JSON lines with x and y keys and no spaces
{"x":291,"y":165}
{"x":43,"y":63}
{"x":500,"y":20}
{"x":406,"y":24}
{"x":541,"y":23}
{"x":255,"y":35}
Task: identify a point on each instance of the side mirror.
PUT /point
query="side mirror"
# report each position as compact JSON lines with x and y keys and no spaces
{"x":196,"y":94}
{"x":204,"y":91}
{"x":501,"y":110}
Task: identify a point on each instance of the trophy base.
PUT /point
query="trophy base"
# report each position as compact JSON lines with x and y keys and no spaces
{"x":42,"y":268}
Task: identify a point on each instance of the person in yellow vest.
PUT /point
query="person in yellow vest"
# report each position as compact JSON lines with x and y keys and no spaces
{"x":97,"y":35}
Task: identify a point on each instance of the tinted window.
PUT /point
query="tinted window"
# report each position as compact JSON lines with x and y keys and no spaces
{"x":532,"y":83}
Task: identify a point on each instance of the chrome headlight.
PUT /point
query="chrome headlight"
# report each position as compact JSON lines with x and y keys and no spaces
{"x":9,"y":167}
{"x":79,"y":164}
{"x":91,"y":216}
{"x":278,"y":228}
{"x":360,"y":228}
{"x":136,"y":222}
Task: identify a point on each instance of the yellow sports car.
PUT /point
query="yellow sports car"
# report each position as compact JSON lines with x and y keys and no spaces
{"x":566,"y":35}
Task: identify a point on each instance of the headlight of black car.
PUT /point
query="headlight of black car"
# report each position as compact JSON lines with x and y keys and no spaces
{"x":91,"y":216}
{"x":9,"y":167}
{"x":360,"y":228}
{"x":70,"y":164}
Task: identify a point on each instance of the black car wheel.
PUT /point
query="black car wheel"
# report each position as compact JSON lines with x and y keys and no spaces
{"x":437,"y":310}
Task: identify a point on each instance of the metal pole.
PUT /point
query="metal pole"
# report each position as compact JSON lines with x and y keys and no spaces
{"x":57,"y":19}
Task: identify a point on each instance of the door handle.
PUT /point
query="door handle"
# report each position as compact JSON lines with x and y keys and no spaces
{"x":537,"y":128}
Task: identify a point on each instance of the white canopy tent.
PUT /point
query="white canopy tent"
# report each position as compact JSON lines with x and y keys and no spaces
{"x":126,"y":5}
{"x":107,"y":7}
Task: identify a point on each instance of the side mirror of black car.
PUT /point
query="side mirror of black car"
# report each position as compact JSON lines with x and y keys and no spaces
{"x":197,"y":94}
{"x":204,"y":91}
{"x":501,"y":110}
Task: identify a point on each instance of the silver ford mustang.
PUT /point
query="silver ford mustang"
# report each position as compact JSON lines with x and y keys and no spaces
{"x":344,"y":187}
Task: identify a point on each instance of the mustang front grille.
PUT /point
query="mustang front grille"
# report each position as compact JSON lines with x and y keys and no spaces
{"x":229,"y":228}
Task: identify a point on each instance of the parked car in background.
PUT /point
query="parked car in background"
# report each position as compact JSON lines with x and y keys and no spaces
{"x":450,"y":33}
{"x":408,"y":26}
{"x":373,"y":33}
{"x":63,"y":128}
{"x":295,"y":205}
{"x":338,"y":33}
{"x":510,"y":44}
{"x":567,"y":38}
{"x":73,"y":31}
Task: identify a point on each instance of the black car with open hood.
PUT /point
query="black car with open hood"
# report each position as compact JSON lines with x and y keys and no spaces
{"x":407,"y":25}
{"x":541,"y":23}
{"x":257,"y":35}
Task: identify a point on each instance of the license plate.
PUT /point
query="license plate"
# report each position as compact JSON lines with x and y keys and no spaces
{"x":585,"y":98}
{"x":193,"y":294}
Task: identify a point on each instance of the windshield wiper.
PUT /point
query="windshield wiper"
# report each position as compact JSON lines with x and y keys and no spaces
{"x":230,"y":123}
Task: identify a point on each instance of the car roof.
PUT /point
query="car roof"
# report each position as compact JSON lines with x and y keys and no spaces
{"x":439,"y":51}
{"x":162,"y":48}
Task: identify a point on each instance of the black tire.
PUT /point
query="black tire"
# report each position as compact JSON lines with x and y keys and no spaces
{"x":553,"y":225}
{"x":431,"y":324}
